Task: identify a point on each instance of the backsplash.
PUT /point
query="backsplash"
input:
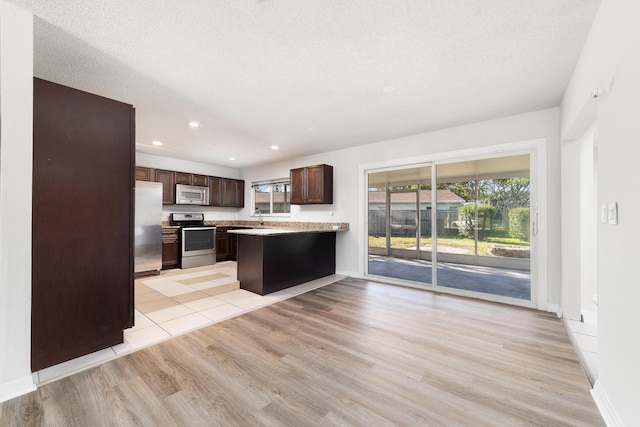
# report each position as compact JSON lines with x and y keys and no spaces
{"x":342,"y":226}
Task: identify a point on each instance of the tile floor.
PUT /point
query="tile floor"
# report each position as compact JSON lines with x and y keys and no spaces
{"x":176,"y":302}
{"x":585,"y":340}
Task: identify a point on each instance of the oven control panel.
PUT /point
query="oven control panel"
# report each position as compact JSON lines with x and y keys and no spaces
{"x":187,"y":217}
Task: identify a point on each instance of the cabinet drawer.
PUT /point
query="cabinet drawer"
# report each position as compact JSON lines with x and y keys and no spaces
{"x":170,"y":249}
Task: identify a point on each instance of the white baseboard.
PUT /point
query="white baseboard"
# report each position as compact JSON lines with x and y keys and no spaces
{"x":349,"y":274}
{"x":606,"y":408}
{"x":589,"y":316}
{"x":17,"y":387}
{"x":554,"y":308}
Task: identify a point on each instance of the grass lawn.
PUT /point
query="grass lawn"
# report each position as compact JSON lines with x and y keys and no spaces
{"x":497,"y":238}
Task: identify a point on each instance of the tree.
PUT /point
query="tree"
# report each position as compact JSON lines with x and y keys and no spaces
{"x":506,"y":194}
{"x":464,"y":189}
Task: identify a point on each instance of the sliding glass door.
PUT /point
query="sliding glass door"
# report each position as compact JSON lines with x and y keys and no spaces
{"x":484,"y":244}
{"x":399,"y":224}
{"x":478,"y":212}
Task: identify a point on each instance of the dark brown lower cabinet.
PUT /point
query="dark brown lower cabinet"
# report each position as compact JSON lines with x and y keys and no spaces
{"x":223,"y":249}
{"x":233,"y":246}
{"x":170,"y":249}
{"x":270,"y":263}
{"x":82,"y":226}
{"x":227,"y":244}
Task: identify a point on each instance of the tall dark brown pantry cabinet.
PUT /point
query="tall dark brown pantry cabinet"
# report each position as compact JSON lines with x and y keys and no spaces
{"x":82,"y":229}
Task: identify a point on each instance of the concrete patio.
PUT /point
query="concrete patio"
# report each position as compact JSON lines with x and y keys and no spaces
{"x":490,"y":280}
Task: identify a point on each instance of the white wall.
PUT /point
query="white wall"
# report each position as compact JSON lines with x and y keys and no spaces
{"x":611,"y":60}
{"x":346,"y":163}
{"x":168,"y":163}
{"x":16,"y":112}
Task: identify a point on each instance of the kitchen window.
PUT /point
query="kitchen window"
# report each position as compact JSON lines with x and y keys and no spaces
{"x":272,"y":197}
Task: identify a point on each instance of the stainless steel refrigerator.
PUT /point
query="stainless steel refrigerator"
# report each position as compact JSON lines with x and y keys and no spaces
{"x":147,"y":249}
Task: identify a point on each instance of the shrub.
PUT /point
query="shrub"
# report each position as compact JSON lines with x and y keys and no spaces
{"x":466,"y":214}
{"x":519,"y":223}
{"x":466,"y":217}
{"x":485,"y":215}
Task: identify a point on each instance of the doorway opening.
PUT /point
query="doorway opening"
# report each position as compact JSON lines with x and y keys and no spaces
{"x":580,"y":218}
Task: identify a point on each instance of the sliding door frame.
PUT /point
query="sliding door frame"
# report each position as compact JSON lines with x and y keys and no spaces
{"x":389,"y":226}
{"x":536,"y":149}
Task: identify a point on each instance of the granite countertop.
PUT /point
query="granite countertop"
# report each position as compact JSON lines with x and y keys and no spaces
{"x":276,"y":231}
{"x":279,"y":226}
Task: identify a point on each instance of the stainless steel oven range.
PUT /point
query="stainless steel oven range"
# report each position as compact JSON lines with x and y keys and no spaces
{"x":197,"y":241}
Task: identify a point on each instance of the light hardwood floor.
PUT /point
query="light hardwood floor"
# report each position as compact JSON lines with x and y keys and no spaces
{"x":350,"y":353}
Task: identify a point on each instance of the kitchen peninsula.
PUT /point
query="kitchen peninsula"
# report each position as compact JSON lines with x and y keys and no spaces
{"x":272,"y":259}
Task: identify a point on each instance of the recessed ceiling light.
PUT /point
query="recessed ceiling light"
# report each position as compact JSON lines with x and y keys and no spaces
{"x":275,"y":147}
{"x":232,"y":158}
{"x":388,"y":89}
{"x":194,"y":124}
{"x":156,"y":143}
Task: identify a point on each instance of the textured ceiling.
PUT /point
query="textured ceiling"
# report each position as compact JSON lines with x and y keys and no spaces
{"x":310,"y":76}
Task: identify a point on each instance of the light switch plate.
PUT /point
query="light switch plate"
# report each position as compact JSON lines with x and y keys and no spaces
{"x":612,"y":213}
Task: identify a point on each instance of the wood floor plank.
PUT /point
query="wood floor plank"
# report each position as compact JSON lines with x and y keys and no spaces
{"x":351,"y":353}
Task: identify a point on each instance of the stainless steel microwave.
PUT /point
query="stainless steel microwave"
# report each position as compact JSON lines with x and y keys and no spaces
{"x":192,"y":195}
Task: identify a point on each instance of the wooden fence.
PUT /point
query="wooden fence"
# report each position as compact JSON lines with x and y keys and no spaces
{"x":445,"y":219}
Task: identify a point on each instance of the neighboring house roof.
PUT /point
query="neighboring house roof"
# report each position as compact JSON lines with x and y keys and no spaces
{"x":443,"y":196}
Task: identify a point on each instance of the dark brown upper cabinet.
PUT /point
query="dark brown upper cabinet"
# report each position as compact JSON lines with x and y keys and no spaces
{"x":200,"y":180}
{"x":168,"y":180}
{"x":226,"y":192}
{"x":192,"y":179}
{"x":144,"y":174}
{"x":215,"y":191}
{"x":82,"y":223}
{"x":312,"y":185}
{"x":233,"y":193}
{"x":183,"y":178}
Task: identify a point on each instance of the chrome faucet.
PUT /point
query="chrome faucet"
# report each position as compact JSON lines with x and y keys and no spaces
{"x":260,"y":220}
